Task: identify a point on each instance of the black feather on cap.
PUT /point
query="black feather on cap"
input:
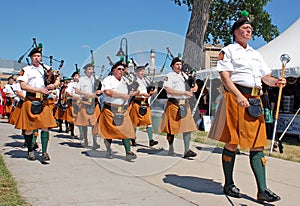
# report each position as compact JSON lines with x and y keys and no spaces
{"x":118,"y":63}
{"x":34,"y":51}
{"x":139,"y":68}
{"x":87,"y":66}
{"x":74,"y":73}
{"x":174,"y":60}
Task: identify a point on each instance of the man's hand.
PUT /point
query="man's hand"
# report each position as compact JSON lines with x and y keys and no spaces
{"x":242,"y":101}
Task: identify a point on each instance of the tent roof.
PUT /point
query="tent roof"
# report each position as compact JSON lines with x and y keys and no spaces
{"x":286,"y":43}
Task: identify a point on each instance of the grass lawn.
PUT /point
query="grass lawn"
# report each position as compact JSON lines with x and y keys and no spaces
{"x":8,"y":188}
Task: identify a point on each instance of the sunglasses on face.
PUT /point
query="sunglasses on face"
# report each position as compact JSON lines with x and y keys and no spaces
{"x":120,"y":68}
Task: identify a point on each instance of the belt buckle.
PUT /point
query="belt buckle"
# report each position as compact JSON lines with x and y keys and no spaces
{"x":38,"y":95}
{"x":119,"y":109}
{"x":254,"y":91}
{"x":181,"y":101}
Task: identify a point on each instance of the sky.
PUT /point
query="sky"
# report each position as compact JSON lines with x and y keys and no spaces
{"x":69,"y":29}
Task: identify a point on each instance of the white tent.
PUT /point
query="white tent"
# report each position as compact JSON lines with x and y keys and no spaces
{"x":286,"y":43}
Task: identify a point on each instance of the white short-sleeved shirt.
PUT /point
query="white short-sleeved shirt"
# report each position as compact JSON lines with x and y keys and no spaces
{"x":86,"y":84}
{"x":71,"y":89}
{"x":17,"y":87}
{"x":143,"y":84}
{"x":111,"y":82}
{"x":177,"y":82}
{"x":33,"y":76}
{"x":246,"y":65}
{"x":9,"y":88}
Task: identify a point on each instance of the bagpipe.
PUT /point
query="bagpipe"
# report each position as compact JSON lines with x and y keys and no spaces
{"x":50,"y":76}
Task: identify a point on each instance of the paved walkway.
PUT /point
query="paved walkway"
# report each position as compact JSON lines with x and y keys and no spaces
{"x":81,"y":176}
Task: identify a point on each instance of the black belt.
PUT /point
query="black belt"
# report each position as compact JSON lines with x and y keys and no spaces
{"x":178,"y":101}
{"x":248,"y":90}
{"x":115,"y":108}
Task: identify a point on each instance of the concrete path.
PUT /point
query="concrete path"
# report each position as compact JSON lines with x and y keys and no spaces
{"x":81,"y":176}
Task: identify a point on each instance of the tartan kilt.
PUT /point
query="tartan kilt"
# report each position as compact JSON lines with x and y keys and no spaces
{"x":232,"y":124}
{"x":29,"y":121}
{"x":107,"y":130}
{"x":172,"y":125}
{"x":137,"y":119}
{"x":84,"y":119}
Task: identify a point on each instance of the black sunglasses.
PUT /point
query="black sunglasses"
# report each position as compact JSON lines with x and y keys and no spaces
{"x":119,"y":68}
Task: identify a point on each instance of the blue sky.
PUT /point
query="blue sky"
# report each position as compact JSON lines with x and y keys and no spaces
{"x":70,"y":29}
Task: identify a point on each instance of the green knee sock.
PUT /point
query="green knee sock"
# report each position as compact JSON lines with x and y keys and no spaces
{"x":28,"y":139}
{"x":95,"y":139}
{"x":257,"y":162}
{"x":228,"y":159}
{"x":149,"y":132}
{"x":186,"y":141}
{"x":44,"y":140}
{"x":126,"y":143}
{"x":170,"y":138}
{"x":84,"y":132}
{"x":34,"y":136}
{"x":107,"y":143}
{"x":80,"y":132}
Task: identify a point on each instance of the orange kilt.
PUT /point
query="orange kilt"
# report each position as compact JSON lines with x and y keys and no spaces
{"x":8,"y":108}
{"x":137,"y":119}
{"x":65,"y":114}
{"x":108,"y":130}
{"x":170,"y":123}
{"x":84,"y":119}
{"x":29,"y":121}
{"x":15,"y":113}
{"x":233,"y":125}
{"x":51,"y":102}
{"x":97,"y":114}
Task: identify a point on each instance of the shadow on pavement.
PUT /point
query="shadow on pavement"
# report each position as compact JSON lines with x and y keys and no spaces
{"x":202,"y":185}
{"x":72,"y":144}
{"x":195,"y":184}
{"x":16,"y":136}
{"x":17,"y":154}
{"x":14,"y":144}
{"x":102,"y":154}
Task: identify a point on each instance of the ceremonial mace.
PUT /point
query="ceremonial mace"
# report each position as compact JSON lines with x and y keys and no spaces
{"x":284,"y":58}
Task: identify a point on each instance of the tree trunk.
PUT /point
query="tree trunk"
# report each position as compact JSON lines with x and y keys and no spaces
{"x":194,"y":43}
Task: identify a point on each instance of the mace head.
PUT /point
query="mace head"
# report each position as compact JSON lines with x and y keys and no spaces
{"x":284,"y":58}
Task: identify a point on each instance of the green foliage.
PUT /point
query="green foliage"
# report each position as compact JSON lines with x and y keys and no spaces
{"x":223,"y":13}
{"x":8,"y":188}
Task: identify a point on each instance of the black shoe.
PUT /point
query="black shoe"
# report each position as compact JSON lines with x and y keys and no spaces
{"x":95,"y":146}
{"x":35,"y":146}
{"x":267,"y":196}
{"x":171,"y":152}
{"x":31,"y":156}
{"x":189,"y":153}
{"x":153,"y":142}
{"x":108,"y":153}
{"x":45,"y":158}
{"x":130,"y":156}
{"x":232,"y":191}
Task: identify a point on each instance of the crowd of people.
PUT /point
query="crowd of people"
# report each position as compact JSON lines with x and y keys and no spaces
{"x":116,"y":106}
